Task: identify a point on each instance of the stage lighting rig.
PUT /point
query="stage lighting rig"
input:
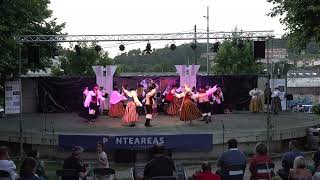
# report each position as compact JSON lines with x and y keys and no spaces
{"x":121,"y":47}
{"x":173,"y":46}
{"x":98,"y":48}
{"x":194,"y":46}
{"x":77,"y":48}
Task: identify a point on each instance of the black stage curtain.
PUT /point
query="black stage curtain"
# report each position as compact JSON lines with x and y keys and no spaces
{"x":62,"y":94}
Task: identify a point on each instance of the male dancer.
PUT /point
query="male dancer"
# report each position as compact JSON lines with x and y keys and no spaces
{"x":149,"y":103}
{"x":204,"y":104}
{"x":92,"y":103}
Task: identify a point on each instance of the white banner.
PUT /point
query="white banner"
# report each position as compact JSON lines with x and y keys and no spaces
{"x":12,"y":97}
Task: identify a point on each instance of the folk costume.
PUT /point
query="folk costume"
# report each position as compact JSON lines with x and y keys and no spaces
{"x":116,"y":104}
{"x":255,"y":103}
{"x":275,"y":101}
{"x":130,"y":116}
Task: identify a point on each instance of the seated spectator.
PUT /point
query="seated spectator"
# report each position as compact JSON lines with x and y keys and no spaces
{"x":299,"y":171}
{"x":6,"y":164}
{"x":232,"y":156}
{"x":40,"y":168}
{"x":288,"y":158}
{"x":73,"y":162}
{"x":160,"y":164}
{"x":261,"y":157}
{"x":102,"y":160}
{"x":316,"y":158}
{"x":206,"y":173}
{"x":28,"y":169}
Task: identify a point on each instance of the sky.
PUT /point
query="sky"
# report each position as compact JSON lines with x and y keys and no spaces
{"x":84,"y":17}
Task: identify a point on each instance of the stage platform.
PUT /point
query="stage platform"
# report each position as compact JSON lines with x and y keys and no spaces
{"x":245,"y":126}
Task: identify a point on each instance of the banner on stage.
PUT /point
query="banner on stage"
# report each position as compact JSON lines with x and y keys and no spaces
{"x":12,"y":97}
{"x":178,"y":143}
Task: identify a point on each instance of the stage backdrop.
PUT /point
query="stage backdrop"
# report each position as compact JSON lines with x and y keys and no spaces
{"x":64,"y":94}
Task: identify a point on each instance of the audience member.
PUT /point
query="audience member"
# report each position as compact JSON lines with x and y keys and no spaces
{"x":288,"y":158}
{"x":316,"y":158}
{"x":206,"y":173}
{"x":6,"y":164}
{"x":73,"y":162}
{"x":40,"y":168}
{"x":261,"y":157}
{"x":28,"y":169}
{"x":299,"y":171}
{"x":232,"y":156}
{"x":102,"y":161}
{"x":160,"y":165}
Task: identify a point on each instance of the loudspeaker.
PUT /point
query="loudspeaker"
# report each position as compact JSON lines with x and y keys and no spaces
{"x":259,"y":49}
{"x":34,"y":54}
{"x":289,"y":97}
{"x":125,"y":156}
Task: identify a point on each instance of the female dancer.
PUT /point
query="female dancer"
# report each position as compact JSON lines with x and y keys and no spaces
{"x":116,"y":105}
{"x":150,"y":103}
{"x":188,"y":110}
{"x":255,"y":103}
{"x":92,"y":102}
{"x":175,"y":102}
{"x":130,"y":115}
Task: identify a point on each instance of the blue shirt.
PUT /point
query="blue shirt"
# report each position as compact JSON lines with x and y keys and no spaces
{"x":288,"y":158}
{"x":232,"y":157}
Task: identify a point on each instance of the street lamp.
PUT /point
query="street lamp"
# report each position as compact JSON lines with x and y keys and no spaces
{"x":207,"y":17}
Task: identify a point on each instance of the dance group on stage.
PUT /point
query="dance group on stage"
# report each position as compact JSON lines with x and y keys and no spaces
{"x":129,"y":103}
{"x":271,"y":100}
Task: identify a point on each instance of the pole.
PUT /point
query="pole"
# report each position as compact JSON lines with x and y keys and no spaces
{"x":208,"y":69}
{"x":268,"y":107}
{"x":195,"y":42}
{"x":20,"y":115}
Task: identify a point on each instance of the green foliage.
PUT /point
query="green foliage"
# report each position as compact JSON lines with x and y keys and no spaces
{"x":301,"y":18}
{"x":231,"y":59}
{"x":316,"y":109}
{"x":21,"y":17}
{"x":72,"y":64}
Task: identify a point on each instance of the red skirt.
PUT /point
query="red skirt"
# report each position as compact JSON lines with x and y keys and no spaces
{"x":189,"y":111}
{"x":174,"y":107}
{"x":130,"y":114}
{"x":116,"y":110}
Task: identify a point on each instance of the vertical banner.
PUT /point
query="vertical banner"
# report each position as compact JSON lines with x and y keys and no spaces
{"x":281,"y":84}
{"x":12,"y":97}
{"x":188,"y":75}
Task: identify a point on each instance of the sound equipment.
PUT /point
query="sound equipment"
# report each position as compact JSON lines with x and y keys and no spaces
{"x":125,"y":156}
{"x":259,"y":49}
{"x":34,"y":54}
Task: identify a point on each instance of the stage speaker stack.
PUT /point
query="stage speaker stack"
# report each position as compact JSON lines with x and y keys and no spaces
{"x":125,"y":156}
{"x":259,"y":49}
{"x":34,"y":54}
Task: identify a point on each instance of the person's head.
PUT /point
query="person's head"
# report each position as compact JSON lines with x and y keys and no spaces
{"x":174,"y":87}
{"x":28,"y":167}
{"x":4,"y":153}
{"x":34,"y":154}
{"x":96,"y":88}
{"x":299,"y":163}
{"x":115,"y":88}
{"x":261,"y":148}
{"x":158,"y":149}
{"x":100,"y":147}
{"x":152,"y":86}
{"x":293,"y":145}
{"x":206,"y":166}
{"x":76,"y":151}
{"x":232,"y":143}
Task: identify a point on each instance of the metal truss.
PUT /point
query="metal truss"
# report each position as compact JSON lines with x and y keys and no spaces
{"x":144,"y":37}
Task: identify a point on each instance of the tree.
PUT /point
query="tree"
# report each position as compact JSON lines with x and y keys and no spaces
{"x":72,"y":63}
{"x":301,"y":18}
{"x":20,"y":17}
{"x":235,"y":57}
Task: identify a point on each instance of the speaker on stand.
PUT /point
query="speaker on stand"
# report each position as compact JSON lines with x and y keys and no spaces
{"x":259,"y":49}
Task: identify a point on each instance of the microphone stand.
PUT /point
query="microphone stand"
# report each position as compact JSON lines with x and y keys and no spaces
{"x":223,"y":131}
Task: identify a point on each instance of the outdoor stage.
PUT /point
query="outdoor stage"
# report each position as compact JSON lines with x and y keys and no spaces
{"x":242,"y":125}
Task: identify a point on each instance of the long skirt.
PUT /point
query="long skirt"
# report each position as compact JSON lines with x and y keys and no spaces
{"x":275,"y":105}
{"x":174,"y":107}
{"x":130,"y":114}
{"x":116,"y":110}
{"x":255,"y":104}
{"x":189,"y":111}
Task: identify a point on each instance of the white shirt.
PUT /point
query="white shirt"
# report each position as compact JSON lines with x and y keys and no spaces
{"x":103,"y":156}
{"x":275,"y":93}
{"x":8,"y":165}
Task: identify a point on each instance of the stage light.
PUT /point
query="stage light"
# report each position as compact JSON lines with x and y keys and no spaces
{"x":148,"y":47}
{"x":121,"y":47}
{"x":98,"y":48}
{"x":194,"y":46}
{"x":240,"y":44}
{"x":77,"y":48}
{"x":215,"y":47}
{"x":173,"y":47}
